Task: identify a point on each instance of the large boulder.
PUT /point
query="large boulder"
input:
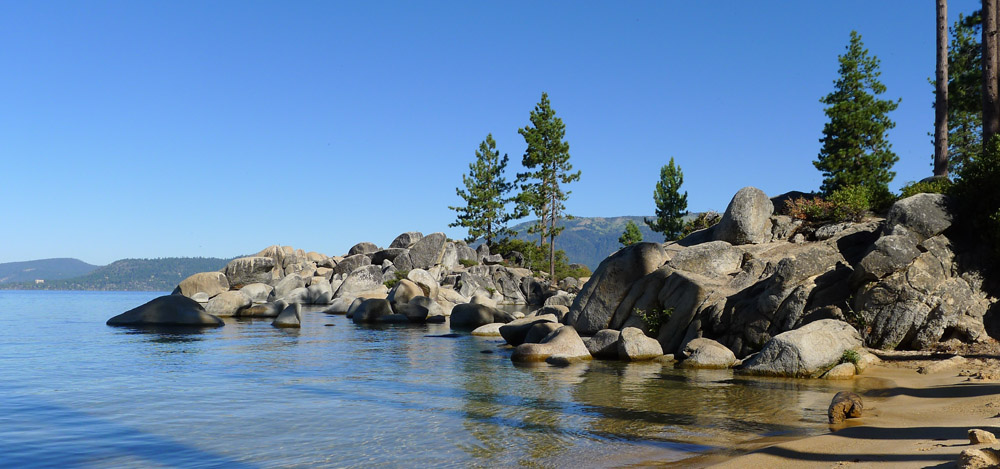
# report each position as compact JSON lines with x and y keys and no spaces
{"x":926,"y":215}
{"x":339,"y":306}
{"x":425,"y":281}
{"x":288,"y":284}
{"x":227,"y":304}
{"x":564,"y":342}
{"x":593,"y":307}
{"x":428,"y":251}
{"x":604,"y":344}
{"x":706,"y":353}
{"x":634,"y":345}
{"x":713,"y":258}
{"x":170,"y":310}
{"x":540,"y":331}
{"x":747,"y":219}
{"x":433,"y":308}
{"x":405,"y":240}
{"x":258,"y":292}
{"x":404,"y":291}
{"x":211,"y":283}
{"x":351,"y":263}
{"x":246,"y":270}
{"x":363,"y":279}
{"x":471,"y":316}
{"x":515,"y":331}
{"x":372,"y":310}
{"x":266,"y":310}
{"x":363,"y":247}
{"x":412,"y":311}
{"x":290,"y":317}
{"x":390,"y":255}
{"x":320,"y":292}
{"x":806,"y":352}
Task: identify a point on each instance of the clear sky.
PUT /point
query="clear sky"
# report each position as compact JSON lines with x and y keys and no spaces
{"x":159,"y":129}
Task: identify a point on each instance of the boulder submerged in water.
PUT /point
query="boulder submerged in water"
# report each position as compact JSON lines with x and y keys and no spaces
{"x":169,"y":310}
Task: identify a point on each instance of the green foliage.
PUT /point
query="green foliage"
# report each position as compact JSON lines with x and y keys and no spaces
{"x":536,"y":257}
{"x":965,"y":88}
{"x":399,"y":274}
{"x":467,"y":262}
{"x":654,"y":318}
{"x":978,"y":196}
{"x":849,"y":203}
{"x":700,"y":222}
{"x":549,"y":170}
{"x":934,"y":186}
{"x":486,"y":196}
{"x":631,"y":235}
{"x":855,"y":149}
{"x":850,"y":356}
{"x":671,"y":206}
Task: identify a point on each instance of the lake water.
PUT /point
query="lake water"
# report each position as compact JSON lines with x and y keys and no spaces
{"x":78,"y":393}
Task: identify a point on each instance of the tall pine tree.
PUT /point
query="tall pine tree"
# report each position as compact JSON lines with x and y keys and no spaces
{"x":965,"y":90}
{"x":547,"y":159}
{"x":855,"y":148}
{"x":671,"y":205}
{"x":486,"y":196}
{"x":631,"y":235}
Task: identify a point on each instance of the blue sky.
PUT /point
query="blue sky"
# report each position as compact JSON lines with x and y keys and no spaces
{"x":156,"y":129}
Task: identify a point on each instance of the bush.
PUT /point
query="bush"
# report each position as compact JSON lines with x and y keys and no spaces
{"x":850,"y":356}
{"x":849,"y":203}
{"x":814,"y":209}
{"x":934,"y":186}
{"x":467,"y":262}
{"x":654,"y":318}
{"x":702,"y":221}
{"x":400,"y":275}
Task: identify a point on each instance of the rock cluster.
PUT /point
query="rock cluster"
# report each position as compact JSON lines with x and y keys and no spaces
{"x":754,"y":278}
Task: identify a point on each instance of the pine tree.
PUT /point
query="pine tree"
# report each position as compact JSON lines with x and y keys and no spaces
{"x":671,"y":206}
{"x":965,"y":89}
{"x":855,"y":149}
{"x":631,"y":235}
{"x":486,"y":196}
{"x":547,"y":159}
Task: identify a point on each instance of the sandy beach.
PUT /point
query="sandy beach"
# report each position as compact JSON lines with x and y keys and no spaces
{"x":916,"y":420}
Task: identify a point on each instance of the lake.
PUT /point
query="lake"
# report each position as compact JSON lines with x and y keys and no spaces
{"x":78,"y":393}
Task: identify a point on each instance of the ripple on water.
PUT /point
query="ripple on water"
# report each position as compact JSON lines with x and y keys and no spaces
{"x":79,"y":393}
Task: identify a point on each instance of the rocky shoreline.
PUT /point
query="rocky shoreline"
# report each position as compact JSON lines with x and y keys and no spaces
{"x":760,"y":292}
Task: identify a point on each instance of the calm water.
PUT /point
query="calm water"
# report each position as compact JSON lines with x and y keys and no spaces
{"x":78,"y":393}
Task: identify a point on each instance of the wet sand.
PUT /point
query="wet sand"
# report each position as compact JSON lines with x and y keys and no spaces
{"x":917,"y":420}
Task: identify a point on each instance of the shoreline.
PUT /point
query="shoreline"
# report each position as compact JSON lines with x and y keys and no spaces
{"x":917,"y":420}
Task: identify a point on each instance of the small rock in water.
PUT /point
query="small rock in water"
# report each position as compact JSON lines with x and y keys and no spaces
{"x":451,"y":335}
{"x":485,"y":351}
{"x":845,"y":405}
{"x":981,"y":437}
{"x":329,"y":325}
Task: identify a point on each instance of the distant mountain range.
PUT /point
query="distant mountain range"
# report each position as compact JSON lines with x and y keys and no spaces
{"x":586,"y":240}
{"x":127,"y":274}
{"x":590,"y":240}
{"x":47,"y":269}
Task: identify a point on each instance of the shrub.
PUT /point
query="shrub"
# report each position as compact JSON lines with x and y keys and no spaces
{"x":400,"y":275}
{"x":934,"y":186}
{"x":467,"y":262}
{"x":814,"y":209}
{"x":849,"y":203}
{"x":654,"y":318}
{"x":850,"y":356}
{"x":537,"y":257}
{"x":702,"y":221}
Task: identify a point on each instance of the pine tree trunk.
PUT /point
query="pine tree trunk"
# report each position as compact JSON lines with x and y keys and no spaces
{"x":552,"y":241}
{"x":941,"y":101}
{"x":991,"y":103}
